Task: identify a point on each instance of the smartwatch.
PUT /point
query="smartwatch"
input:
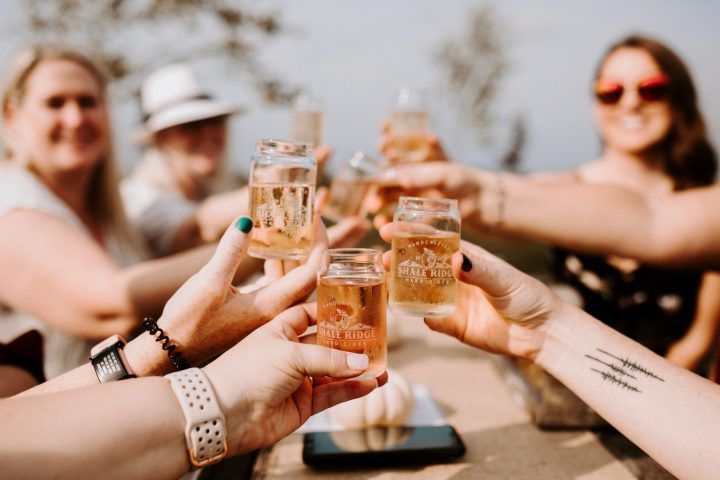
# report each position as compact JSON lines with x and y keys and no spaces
{"x":108,"y":360}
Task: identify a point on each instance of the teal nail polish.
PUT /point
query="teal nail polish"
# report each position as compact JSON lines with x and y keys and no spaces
{"x":244,"y":224}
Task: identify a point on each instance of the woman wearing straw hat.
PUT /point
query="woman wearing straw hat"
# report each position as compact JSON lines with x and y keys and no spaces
{"x":169,"y":194}
{"x":177,"y":196}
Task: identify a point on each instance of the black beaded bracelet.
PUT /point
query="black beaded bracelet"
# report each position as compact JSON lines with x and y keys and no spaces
{"x":151,"y":326}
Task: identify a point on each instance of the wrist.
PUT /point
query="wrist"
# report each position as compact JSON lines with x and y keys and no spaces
{"x":492,"y":199}
{"x":561,"y":337}
{"x":146,"y":358}
{"x":205,"y":423}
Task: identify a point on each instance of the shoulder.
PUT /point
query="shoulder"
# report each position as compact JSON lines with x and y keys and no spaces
{"x":141,"y":197}
{"x":21,"y":190}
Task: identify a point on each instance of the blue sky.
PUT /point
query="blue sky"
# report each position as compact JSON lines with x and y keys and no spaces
{"x":355,"y":54}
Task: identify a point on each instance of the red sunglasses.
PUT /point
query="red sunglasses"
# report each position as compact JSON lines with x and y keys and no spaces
{"x":653,"y":89}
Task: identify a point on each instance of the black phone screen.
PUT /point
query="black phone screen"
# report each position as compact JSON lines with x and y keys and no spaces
{"x":377,"y":446}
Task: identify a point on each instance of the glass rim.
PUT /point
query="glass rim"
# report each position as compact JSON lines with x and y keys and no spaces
{"x":351,"y":252}
{"x":449,"y":202}
{"x":290,"y":148}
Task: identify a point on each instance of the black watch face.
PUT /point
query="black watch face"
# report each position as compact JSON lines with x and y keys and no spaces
{"x":109,"y":367}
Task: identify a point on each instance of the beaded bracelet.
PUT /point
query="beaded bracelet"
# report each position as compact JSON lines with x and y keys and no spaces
{"x":151,"y":326}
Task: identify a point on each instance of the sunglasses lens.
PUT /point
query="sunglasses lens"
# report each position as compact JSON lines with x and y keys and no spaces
{"x":653,"y":92}
{"x":609,"y":96}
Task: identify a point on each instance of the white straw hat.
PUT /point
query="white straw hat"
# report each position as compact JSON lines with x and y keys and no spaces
{"x":172,"y":96}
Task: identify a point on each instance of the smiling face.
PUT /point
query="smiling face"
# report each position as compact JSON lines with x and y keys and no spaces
{"x":197,"y":148}
{"x":633,"y":124}
{"x":60,"y":124}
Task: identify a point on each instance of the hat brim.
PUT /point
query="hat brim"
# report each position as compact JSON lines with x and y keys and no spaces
{"x":187,"y":112}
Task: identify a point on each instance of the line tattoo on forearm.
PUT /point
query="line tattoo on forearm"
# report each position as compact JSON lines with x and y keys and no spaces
{"x":621,"y":371}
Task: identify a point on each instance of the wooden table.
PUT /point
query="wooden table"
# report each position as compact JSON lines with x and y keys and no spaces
{"x":500,"y":438}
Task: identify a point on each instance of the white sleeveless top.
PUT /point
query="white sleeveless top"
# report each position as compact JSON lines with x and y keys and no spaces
{"x":154,"y":204}
{"x":20,"y":189}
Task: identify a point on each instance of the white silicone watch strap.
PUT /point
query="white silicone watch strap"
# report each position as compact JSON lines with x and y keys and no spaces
{"x":205,"y":434}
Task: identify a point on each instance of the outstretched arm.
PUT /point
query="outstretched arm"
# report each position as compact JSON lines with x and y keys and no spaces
{"x":135,"y":428}
{"x":667,"y":411}
{"x":186,"y":317}
{"x":675,"y":230}
{"x":690,"y":350}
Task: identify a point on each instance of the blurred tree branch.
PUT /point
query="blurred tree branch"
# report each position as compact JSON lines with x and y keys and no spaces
{"x":131,"y":37}
{"x":518,"y":138}
{"x":474,"y":63}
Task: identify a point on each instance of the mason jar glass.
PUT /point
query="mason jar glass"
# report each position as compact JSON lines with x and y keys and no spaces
{"x":352,"y":303}
{"x":308,"y":123}
{"x":282,"y":195}
{"x":350,"y":187}
{"x":427,"y":234}
{"x":409,"y":123}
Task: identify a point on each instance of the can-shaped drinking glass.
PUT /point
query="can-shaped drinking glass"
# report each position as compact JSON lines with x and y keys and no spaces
{"x":282,"y":194}
{"x":427,"y":234}
{"x":350,"y":187}
{"x":351,"y":305}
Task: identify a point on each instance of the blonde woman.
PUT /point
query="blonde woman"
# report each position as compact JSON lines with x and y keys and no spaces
{"x":70,"y":265}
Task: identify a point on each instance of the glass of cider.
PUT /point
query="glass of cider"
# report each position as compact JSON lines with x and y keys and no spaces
{"x":427,"y":234}
{"x":282,"y":194}
{"x":352,"y":304}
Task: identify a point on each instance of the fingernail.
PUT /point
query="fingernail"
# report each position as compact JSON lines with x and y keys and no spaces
{"x":244,"y":224}
{"x":357,"y":361}
{"x":467,"y":264}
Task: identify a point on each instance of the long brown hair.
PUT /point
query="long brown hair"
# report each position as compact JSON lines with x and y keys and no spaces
{"x":103,"y":199}
{"x":687,"y":155}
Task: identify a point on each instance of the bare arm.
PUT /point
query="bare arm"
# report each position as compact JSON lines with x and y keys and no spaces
{"x":692,"y":348}
{"x":133,"y":426}
{"x":136,"y":426}
{"x":679,"y":230}
{"x":203,"y":320}
{"x":675,"y":230}
{"x":83,"y":290}
{"x":668,"y":411}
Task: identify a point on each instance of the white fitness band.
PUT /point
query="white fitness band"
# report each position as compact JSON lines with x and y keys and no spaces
{"x":205,"y":433}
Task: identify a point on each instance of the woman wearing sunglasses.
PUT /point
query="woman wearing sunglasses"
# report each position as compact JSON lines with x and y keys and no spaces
{"x":654,"y":146}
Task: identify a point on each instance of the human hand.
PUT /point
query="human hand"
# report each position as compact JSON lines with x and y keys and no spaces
{"x":443,"y":179}
{"x":264,"y":387}
{"x":348,"y":231}
{"x":208,"y":315}
{"x":498,"y":308}
{"x":388,"y":146}
{"x":322,"y":157}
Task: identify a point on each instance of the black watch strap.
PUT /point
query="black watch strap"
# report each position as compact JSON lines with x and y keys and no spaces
{"x":108,"y":360}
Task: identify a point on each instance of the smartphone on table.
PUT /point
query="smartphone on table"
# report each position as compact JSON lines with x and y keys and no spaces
{"x":382,"y":446}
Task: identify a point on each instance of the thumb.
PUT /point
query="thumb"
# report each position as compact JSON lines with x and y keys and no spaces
{"x":322,"y":199}
{"x":515,"y":295}
{"x":478,"y":267}
{"x":319,"y":361}
{"x":230,"y":251}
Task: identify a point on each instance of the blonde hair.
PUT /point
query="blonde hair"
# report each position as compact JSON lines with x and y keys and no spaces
{"x":103,"y":201}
